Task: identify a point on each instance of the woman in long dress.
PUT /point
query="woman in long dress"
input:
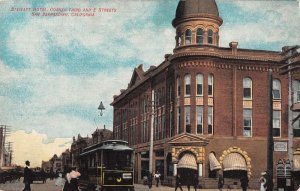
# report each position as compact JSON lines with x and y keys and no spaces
{"x":263,"y":182}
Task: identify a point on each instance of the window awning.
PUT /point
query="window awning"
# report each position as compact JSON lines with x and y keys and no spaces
{"x":187,"y":161}
{"x":213,"y":162}
{"x":234,"y":161}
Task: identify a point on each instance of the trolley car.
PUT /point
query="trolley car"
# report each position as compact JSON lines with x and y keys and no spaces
{"x":107,"y":166}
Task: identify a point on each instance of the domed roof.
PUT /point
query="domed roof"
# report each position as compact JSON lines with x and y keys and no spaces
{"x":190,"y":8}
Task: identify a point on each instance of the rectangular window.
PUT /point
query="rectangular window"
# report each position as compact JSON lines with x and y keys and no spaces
{"x":210,"y":120}
{"x":178,"y":86}
{"x":178,"y":121}
{"x":199,"y":119}
{"x":199,"y":84}
{"x":187,"y":81}
{"x":298,"y":92}
{"x":163,"y":127}
{"x":210,"y":85}
{"x":276,"y":123}
{"x":172,"y":130}
{"x":247,"y":124}
{"x":187,"y":112}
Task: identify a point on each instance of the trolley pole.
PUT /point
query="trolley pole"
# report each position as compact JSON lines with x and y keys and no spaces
{"x":151,"y":133}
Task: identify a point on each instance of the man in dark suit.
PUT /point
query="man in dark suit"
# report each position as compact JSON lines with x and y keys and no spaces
{"x":27,"y":176}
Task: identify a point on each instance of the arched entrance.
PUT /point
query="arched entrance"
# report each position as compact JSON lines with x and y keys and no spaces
{"x":236,"y":163}
{"x":187,"y":167}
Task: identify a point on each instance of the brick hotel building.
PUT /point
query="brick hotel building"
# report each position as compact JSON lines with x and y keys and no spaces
{"x":211,"y":105}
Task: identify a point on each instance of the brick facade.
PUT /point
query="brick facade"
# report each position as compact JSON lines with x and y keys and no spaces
{"x":228,"y":67}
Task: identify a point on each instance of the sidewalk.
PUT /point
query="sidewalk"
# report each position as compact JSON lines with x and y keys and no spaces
{"x":141,"y":187}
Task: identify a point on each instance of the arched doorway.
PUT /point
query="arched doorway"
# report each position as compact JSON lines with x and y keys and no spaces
{"x":187,"y":167}
{"x":236,"y":163}
{"x":234,"y":166}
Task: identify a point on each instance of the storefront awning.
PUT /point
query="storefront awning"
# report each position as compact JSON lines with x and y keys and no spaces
{"x":234,"y":161}
{"x":296,"y":160}
{"x":213,"y":162}
{"x":187,"y":161}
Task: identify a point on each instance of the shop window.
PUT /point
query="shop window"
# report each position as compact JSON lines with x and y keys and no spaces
{"x":187,"y":119}
{"x":145,"y":154}
{"x":210,"y":84}
{"x":187,"y":82}
{"x":276,"y":89}
{"x":247,"y":87}
{"x":276,"y":123}
{"x":199,"y":36}
{"x":199,"y":79}
{"x":247,"y":124}
{"x":188,"y":37}
{"x":170,"y":168}
{"x":159,"y":153}
{"x":199,"y":119}
{"x":210,"y":120}
{"x":144,"y":168}
{"x":210,"y":37}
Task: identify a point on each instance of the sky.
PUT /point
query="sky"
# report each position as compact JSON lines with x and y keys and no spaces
{"x":55,"y":70}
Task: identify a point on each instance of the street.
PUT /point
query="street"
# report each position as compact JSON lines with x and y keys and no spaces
{"x":50,"y":186}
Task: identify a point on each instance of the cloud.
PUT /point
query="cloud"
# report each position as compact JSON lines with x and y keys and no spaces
{"x":31,"y":146}
{"x":275,"y":24}
{"x":49,"y":93}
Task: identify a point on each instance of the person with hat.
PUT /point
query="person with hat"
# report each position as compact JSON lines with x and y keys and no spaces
{"x":27,"y":177}
{"x":263,"y":182}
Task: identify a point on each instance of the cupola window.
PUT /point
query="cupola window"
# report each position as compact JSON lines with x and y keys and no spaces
{"x":199,"y":36}
{"x":210,"y":37}
{"x":188,"y":37}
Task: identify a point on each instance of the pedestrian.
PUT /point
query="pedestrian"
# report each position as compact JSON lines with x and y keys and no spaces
{"x":60,"y":181}
{"x":220,"y":182}
{"x":263,"y":181}
{"x":178,"y":182}
{"x":71,"y":183}
{"x":157,"y":177}
{"x":244,"y":182}
{"x":196,"y":181}
{"x":149,"y":180}
{"x":28,"y":176}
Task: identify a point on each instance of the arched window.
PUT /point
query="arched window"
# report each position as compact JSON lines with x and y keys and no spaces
{"x":276,"y":89}
{"x":187,"y":82}
{"x":247,"y":87}
{"x":188,"y":36}
{"x":178,"y":39}
{"x":210,"y":84}
{"x":199,"y":36}
{"x":199,"y":79}
{"x":210,"y":37}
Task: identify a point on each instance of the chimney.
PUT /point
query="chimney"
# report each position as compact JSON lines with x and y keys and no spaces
{"x":233,"y":45}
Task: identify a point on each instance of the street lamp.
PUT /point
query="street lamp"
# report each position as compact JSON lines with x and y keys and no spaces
{"x":101,"y":108}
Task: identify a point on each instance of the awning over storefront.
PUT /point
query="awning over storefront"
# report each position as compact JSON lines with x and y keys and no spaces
{"x":213,"y":162}
{"x":187,"y":161}
{"x":234,"y":161}
{"x":296,"y":159}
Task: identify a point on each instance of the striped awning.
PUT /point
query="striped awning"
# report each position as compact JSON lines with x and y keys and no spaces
{"x":213,"y":162}
{"x":234,"y":161}
{"x":187,"y":161}
{"x":296,"y":159}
